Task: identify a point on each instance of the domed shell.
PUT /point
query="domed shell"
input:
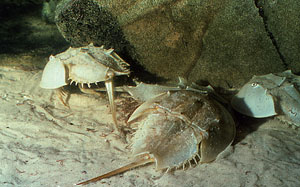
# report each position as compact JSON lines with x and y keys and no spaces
{"x":54,"y":74}
{"x":253,"y":100}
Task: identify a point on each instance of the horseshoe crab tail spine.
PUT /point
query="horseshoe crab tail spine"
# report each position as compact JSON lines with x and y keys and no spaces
{"x":142,"y":161}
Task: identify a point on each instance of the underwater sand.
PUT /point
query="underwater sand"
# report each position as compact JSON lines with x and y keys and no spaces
{"x":43,"y":143}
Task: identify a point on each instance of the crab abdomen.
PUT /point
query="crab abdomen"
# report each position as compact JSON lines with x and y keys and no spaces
{"x":87,"y":73}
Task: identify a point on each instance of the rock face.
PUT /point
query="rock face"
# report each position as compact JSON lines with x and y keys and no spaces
{"x":283,"y":22}
{"x":224,"y":43}
{"x":236,"y":47}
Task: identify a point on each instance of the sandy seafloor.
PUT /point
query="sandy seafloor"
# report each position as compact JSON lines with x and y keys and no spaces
{"x":43,"y":143}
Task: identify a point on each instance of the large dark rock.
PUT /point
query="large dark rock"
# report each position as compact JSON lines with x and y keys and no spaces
{"x":82,"y":22}
{"x":222,"y":42}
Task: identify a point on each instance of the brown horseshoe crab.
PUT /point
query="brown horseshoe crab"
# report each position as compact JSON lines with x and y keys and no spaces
{"x":175,"y":128}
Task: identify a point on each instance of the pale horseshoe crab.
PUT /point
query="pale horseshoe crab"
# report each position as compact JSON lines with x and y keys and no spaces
{"x":175,"y":128}
{"x":271,"y":95}
{"x":85,"y":65}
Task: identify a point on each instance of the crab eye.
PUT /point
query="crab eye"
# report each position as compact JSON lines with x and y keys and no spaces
{"x":254,"y":84}
{"x":292,"y":112}
{"x":110,"y":74}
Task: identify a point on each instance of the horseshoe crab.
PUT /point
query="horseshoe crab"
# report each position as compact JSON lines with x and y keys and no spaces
{"x":85,"y":65}
{"x":176,"y":128}
{"x":271,"y":95}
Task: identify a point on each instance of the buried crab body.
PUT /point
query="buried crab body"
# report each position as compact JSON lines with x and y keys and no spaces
{"x":174,"y":128}
{"x":271,"y":95}
{"x":85,"y":65}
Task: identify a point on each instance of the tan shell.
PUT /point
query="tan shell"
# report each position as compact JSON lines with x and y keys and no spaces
{"x":177,"y":127}
{"x":173,"y":126}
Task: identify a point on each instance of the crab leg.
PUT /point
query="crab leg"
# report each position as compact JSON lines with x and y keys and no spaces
{"x":142,"y":161}
{"x":61,"y":94}
{"x":110,"y":92}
